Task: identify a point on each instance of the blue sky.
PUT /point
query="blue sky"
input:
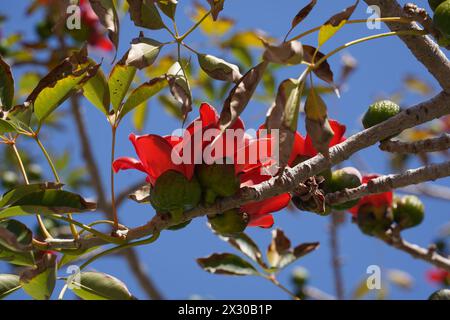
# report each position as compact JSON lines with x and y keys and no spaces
{"x":382,"y":65}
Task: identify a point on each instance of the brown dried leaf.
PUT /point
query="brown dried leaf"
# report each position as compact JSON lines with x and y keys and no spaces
{"x":216,"y":7}
{"x":179,"y":87}
{"x":324,"y":70}
{"x":107,"y":14}
{"x":303,"y":13}
{"x":289,"y":53}
{"x":240,"y":95}
{"x":279,"y":246}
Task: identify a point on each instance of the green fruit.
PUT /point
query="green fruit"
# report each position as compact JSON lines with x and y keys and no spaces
{"x":300,"y":276}
{"x":434,"y":3}
{"x":175,"y":194}
{"x":217,"y":180}
{"x":442,"y":18}
{"x":10,"y":180}
{"x":408,"y":211}
{"x":179,"y":226}
{"x":443,"y":294}
{"x":374,"y":221}
{"x":378,"y":112}
{"x":342,"y":179}
{"x":230,"y":222}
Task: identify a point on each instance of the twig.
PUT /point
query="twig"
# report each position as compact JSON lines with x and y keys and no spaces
{"x":427,"y":145}
{"x":418,"y":252}
{"x":389,"y":182}
{"x":429,"y":190}
{"x":130,"y":255}
{"x":335,"y":256}
{"x":317,"y":294}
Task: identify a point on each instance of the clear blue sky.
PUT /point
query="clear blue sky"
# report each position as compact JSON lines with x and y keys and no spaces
{"x":382,"y":65}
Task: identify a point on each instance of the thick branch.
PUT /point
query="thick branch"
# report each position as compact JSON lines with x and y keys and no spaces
{"x":291,"y":178}
{"x":423,"y":48}
{"x":389,"y":182}
{"x":427,"y":145}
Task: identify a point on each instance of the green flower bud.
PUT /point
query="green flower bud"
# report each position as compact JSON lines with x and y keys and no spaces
{"x":175,"y":194}
{"x":230,"y":222}
{"x":443,"y":294}
{"x":379,"y":112}
{"x":217,"y":180}
{"x":342,"y":179}
{"x":374,"y":221}
{"x":441,"y":18}
{"x":408,"y":211}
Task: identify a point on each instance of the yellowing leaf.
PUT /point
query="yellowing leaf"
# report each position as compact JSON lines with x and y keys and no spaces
{"x":160,"y":67}
{"x":335,"y":23}
{"x":119,"y":82}
{"x":209,"y":26}
{"x":96,"y":90}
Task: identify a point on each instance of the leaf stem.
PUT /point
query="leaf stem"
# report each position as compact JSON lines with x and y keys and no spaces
{"x":113,"y":196}
{"x":386,"y":19}
{"x":199,"y":22}
{"x":25,"y":177}
{"x":153,"y":238}
{"x":377,"y":36}
{"x":73,"y":229}
{"x":274,"y":280}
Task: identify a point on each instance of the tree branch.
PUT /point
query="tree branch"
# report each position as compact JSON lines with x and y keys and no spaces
{"x":291,"y":178}
{"x":335,"y":255}
{"x":429,"y":190}
{"x":392,"y":181}
{"x":423,"y":48}
{"x":427,"y":145}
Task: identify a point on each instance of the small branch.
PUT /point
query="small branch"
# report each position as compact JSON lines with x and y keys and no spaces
{"x":335,"y":256}
{"x":420,"y":15}
{"x":389,"y":182}
{"x":429,"y":190}
{"x":418,"y":252}
{"x":141,"y":275}
{"x":88,"y":157}
{"x":428,"y":145}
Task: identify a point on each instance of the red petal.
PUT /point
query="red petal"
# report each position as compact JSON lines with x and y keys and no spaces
{"x":126,"y":163}
{"x":267,"y":206}
{"x":156,"y":155}
{"x":298,"y":149}
{"x":338,"y":137}
{"x":263,"y":221}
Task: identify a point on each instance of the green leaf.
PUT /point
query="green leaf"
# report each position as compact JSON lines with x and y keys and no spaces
{"x":169,"y":7}
{"x":142,"y":93}
{"x":140,"y":116}
{"x":100,"y":286}
{"x":143,"y":52}
{"x":145,"y":14}
{"x":179,"y":87}
{"x":6,"y":85}
{"x":107,"y":14}
{"x":119,"y":82}
{"x":15,"y":243}
{"x":96,"y":90}
{"x":226,"y":263}
{"x":15,"y":194}
{"x":218,"y":68}
{"x":335,"y":23}
{"x":75,"y":255}
{"x":60,"y":83}
{"x":6,"y":126}
{"x":170,"y":106}
{"x":47,"y":202}
{"x":247,"y":246}
{"x":39,"y":282}
{"x":8,"y":284}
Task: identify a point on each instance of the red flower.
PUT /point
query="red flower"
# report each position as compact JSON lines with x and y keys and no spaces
{"x":438,"y":276}
{"x":338,"y":137}
{"x":155,"y":157}
{"x":260,"y":212}
{"x":376,"y":200}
